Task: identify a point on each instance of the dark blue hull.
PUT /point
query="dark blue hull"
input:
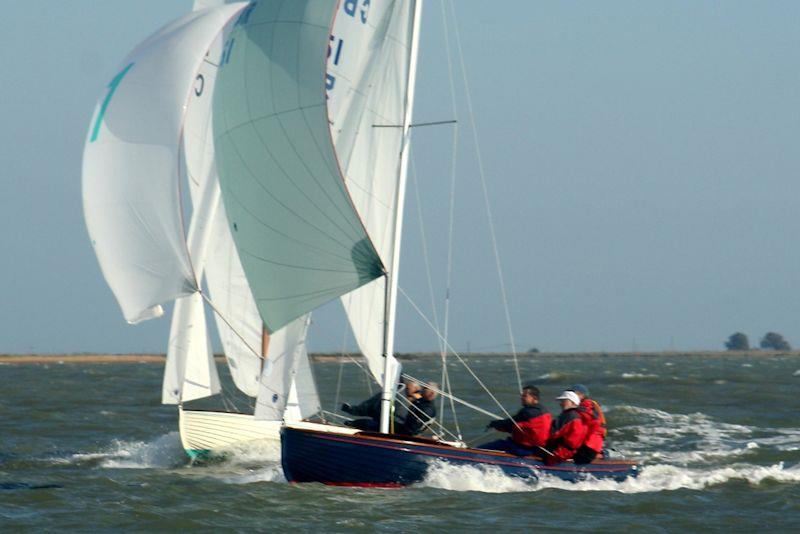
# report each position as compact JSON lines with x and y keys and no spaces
{"x":367,"y":459}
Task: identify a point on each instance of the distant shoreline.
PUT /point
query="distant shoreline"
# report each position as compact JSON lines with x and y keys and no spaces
{"x":23,"y":359}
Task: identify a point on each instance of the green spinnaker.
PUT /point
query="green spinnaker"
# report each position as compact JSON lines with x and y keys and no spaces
{"x":299,"y":237}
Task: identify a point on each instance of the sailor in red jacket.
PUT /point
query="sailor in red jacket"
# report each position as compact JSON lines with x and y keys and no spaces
{"x":569,"y":432}
{"x":595,"y":421}
{"x":529,"y":428}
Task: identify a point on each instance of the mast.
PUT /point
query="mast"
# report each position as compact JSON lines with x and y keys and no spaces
{"x":387,"y":396}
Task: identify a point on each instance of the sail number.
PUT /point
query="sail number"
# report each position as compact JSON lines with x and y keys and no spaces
{"x":335,"y":52}
{"x":356,"y":7}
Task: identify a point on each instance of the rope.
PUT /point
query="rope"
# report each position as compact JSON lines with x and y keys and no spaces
{"x":482,"y":175}
{"x":225,"y":320}
{"x":341,"y":368}
{"x":453,"y":397}
{"x":332,"y":414}
{"x":427,"y":422}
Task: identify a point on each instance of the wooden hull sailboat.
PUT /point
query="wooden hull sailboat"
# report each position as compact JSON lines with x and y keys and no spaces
{"x":381,"y":460}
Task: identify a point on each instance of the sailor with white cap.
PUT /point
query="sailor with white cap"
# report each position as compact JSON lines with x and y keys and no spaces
{"x":569,"y":431}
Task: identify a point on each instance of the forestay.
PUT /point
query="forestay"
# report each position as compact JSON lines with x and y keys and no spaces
{"x":368,"y":81}
{"x":130,"y":167}
{"x":299,"y":238}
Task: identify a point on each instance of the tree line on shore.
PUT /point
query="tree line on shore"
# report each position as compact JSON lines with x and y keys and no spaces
{"x":770,"y":341}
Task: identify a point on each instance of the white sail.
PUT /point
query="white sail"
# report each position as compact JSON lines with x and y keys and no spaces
{"x":303,"y":401}
{"x":286,"y":348}
{"x":369,"y":69}
{"x":130,"y":167}
{"x":203,"y":4}
{"x":240,"y":330}
{"x":190,"y":372}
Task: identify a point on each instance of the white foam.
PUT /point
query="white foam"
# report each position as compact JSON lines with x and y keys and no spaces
{"x":638,"y":375}
{"x":670,"y":478}
{"x":468,"y":478}
{"x":163,"y":452}
{"x":671,"y":437}
{"x":252,"y":453}
{"x":553,"y":375}
{"x":653,"y":478}
{"x":796,"y":373}
{"x":272,"y":473}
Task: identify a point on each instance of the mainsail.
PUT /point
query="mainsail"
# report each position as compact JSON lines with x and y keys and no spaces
{"x":370,"y":77}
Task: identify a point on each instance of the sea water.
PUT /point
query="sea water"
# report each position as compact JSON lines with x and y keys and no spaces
{"x":89,"y":447}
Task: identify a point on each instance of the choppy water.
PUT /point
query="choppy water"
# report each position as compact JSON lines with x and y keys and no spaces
{"x":89,"y":447}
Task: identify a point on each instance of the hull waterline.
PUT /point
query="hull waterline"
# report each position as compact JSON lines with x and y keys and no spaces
{"x":378,"y":460}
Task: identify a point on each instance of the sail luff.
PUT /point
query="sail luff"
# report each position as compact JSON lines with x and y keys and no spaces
{"x":389,"y":377}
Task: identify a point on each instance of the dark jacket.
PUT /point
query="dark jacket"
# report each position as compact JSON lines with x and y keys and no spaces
{"x":532,"y":426}
{"x":569,"y":433}
{"x":420,"y":413}
{"x":369,"y":408}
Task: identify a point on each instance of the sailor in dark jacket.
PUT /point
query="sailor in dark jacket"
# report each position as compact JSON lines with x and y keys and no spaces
{"x":529,"y":428}
{"x":370,"y":409}
{"x":421,"y":412}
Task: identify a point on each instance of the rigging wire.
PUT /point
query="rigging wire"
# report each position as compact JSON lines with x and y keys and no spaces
{"x":482,"y":175}
{"x":451,"y":231}
{"x":458,"y":356}
{"x":445,"y":381}
{"x":453,"y":397}
{"x":341,"y":368}
{"x":225,"y":320}
{"x":430,"y":423}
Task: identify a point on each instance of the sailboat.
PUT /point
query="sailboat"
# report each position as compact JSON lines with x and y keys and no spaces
{"x":148,"y":150}
{"x":311,"y":120}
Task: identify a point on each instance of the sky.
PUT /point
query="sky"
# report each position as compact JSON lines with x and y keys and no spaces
{"x":641,"y":161}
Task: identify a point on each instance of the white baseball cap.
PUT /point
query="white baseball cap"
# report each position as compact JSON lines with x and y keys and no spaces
{"x":569,"y":395}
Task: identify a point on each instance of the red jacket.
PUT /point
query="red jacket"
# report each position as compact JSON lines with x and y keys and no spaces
{"x":532,"y":426}
{"x":592,"y":416}
{"x":569,"y":433}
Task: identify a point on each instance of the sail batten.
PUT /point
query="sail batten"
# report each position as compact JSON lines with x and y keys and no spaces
{"x":299,"y":238}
